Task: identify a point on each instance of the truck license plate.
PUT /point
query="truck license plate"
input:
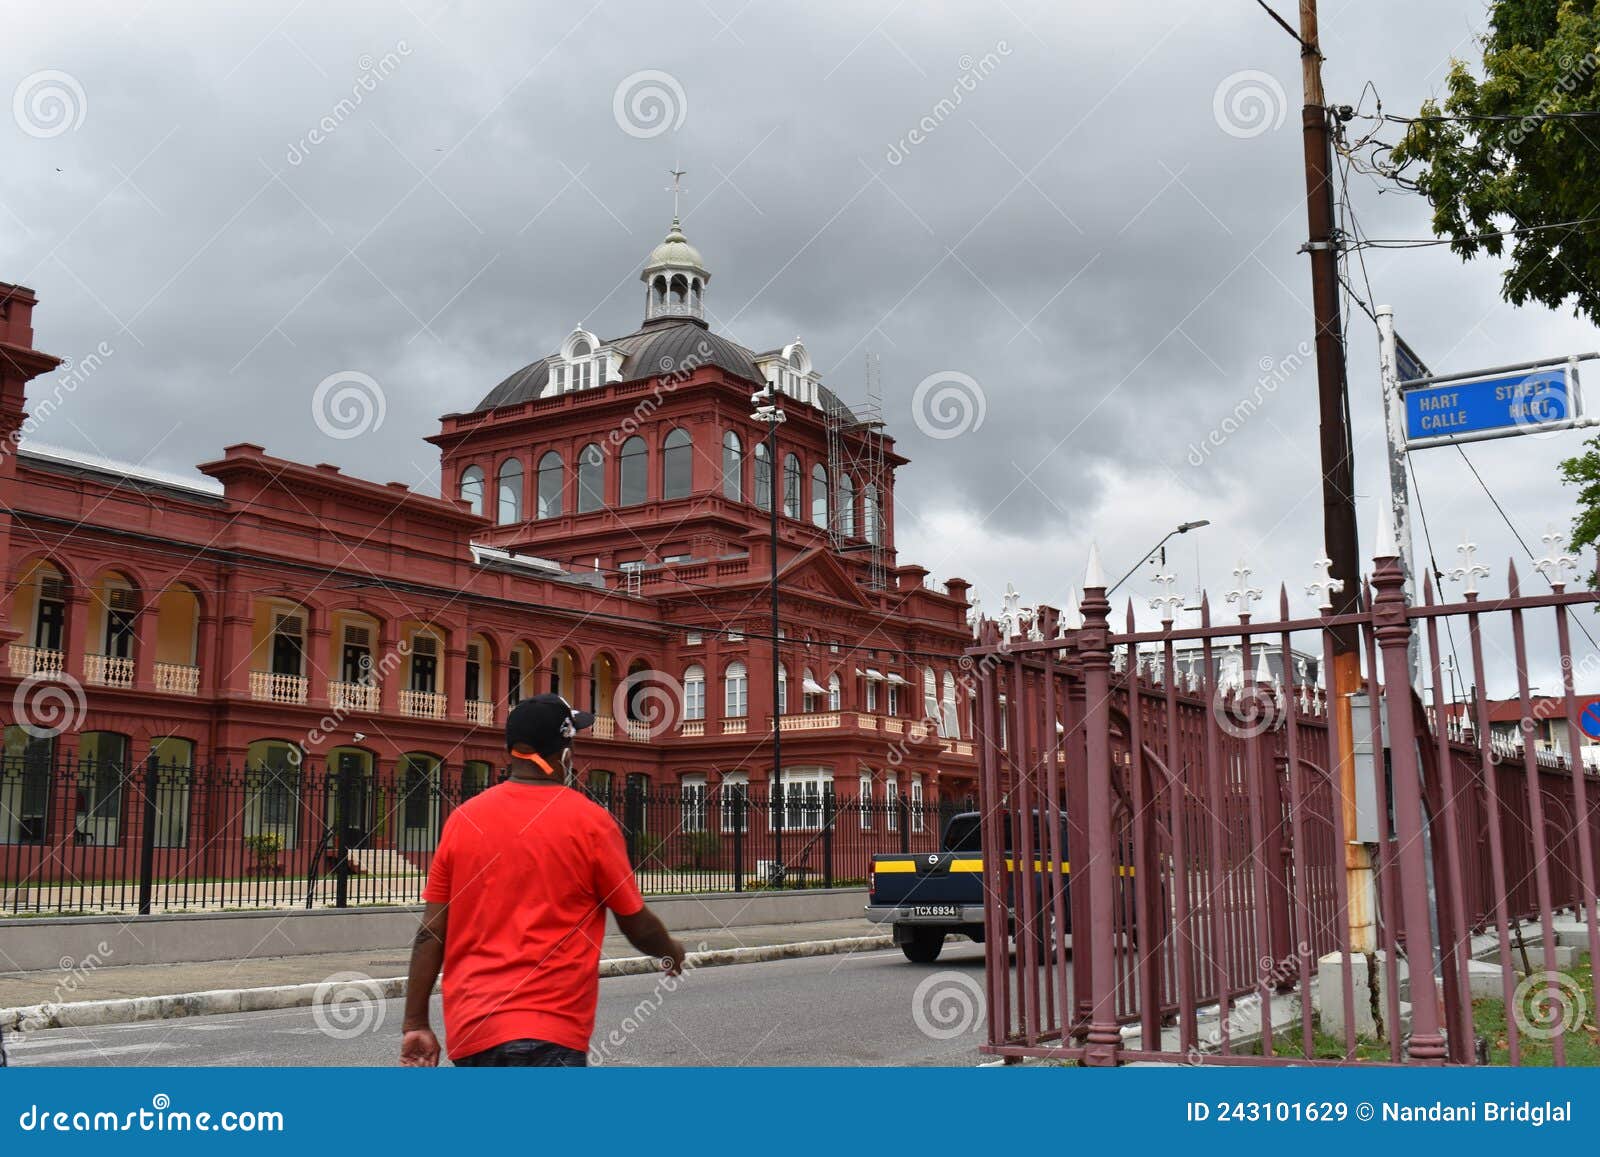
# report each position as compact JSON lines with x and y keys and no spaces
{"x":935,"y":910}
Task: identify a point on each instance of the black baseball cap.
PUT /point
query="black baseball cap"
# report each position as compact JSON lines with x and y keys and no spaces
{"x":544,"y":723}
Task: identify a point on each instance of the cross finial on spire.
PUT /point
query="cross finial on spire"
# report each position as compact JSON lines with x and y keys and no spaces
{"x":677,"y":189}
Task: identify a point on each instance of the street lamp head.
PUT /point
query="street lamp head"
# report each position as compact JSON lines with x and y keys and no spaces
{"x":1186,"y":527}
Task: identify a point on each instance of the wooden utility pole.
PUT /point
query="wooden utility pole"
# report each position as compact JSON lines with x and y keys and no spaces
{"x":1338,"y":485}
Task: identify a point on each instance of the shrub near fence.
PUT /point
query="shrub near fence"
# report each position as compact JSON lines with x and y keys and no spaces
{"x":84,"y":836}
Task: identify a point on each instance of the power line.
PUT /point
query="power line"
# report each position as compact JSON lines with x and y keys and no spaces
{"x":1424,"y":242}
{"x":1431,"y":118}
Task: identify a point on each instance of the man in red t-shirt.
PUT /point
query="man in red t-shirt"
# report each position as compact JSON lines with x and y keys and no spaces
{"x":515,"y":910}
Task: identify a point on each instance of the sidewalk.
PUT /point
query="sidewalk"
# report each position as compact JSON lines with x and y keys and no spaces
{"x":55,"y":986}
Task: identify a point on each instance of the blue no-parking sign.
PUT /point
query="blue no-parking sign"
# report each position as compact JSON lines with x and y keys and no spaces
{"x":1589,"y":719}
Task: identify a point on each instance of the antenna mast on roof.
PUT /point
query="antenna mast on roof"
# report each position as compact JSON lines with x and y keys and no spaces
{"x":855,"y":451}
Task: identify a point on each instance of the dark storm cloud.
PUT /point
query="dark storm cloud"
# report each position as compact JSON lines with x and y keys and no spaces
{"x":1040,"y":197}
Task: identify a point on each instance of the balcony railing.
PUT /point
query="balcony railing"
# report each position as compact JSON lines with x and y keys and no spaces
{"x":270,"y":687}
{"x":176,"y":678}
{"x":814,"y":721}
{"x":894,"y":726}
{"x":867,"y":722}
{"x":957,"y":747}
{"x":604,"y":728}
{"x":607,"y":728}
{"x":108,"y":670}
{"x":480,"y":712}
{"x":422,"y":704}
{"x":734,"y":726}
{"x":35,"y":660}
{"x":354,"y":696}
{"x":693,"y":728}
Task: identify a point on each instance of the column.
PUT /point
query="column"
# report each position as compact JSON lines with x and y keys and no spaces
{"x":453,"y":679}
{"x":144,"y":646}
{"x":77,"y":642}
{"x":316,"y":657}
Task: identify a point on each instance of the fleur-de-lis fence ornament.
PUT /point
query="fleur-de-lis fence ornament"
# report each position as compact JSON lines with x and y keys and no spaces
{"x":1325,"y":586}
{"x":1244,"y":594}
{"x":1030,"y":615}
{"x":1010,"y":612}
{"x":1556,"y":562}
{"x":1168,"y":604}
{"x":1470,"y":569}
{"x":975,"y":617}
{"x":1191,"y":679}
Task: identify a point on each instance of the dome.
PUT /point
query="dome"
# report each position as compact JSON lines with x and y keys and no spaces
{"x":675,"y":252}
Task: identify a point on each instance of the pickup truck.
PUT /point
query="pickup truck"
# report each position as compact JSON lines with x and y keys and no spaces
{"x":927,"y":896}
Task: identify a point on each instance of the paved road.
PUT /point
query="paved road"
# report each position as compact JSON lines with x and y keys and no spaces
{"x":861,"y":1009}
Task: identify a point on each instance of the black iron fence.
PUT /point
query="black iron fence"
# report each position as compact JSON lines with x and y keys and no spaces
{"x":85,"y":836}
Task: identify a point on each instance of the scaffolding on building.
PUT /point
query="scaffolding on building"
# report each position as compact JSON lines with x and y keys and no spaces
{"x":856,"y":450}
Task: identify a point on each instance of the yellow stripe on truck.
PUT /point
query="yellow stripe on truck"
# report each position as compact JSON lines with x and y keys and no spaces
{"x":894,"y":866}
{"x":1011,"y":866}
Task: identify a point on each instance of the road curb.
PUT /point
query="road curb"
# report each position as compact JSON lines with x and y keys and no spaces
{"x":130,"y":1010}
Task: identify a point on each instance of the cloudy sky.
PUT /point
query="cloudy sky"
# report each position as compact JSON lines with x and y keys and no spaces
{"x":1098,"y":227}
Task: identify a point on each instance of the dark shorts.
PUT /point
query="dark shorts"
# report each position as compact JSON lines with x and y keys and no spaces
{"x":525,"y":1053}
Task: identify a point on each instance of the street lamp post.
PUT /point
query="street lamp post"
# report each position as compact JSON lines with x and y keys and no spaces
{"x":1181,"y":528}
{"x":769,"y":411}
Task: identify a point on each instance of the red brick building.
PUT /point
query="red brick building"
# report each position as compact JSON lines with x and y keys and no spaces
{"x":604,"y":533}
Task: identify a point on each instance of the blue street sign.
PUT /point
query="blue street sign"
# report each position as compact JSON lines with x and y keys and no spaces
{"x":1511,"y":403}
{"x":1589,"y":719}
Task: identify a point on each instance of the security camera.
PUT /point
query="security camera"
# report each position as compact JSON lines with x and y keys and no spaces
{"x":359,"y":736}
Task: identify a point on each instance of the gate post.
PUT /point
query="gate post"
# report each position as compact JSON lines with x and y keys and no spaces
{"x":632,"y":819}
{"x":737,"y":813}
{"x":147,"y":835}
{"x":829,"y":812}
{"x":902,"y":809}
{"x":1392,"y":630}
{"x":1103,"y":1042}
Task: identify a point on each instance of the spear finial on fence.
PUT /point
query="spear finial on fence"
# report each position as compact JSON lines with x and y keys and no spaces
{"x":1094,"y":574}
{"x":1168,"y":604}
{"x":1244,"y":594}
{"x":1072,"y":617}
{"x":1470,"y":569}
{"x":1556,"y":561}
{"x":1386,"y":547}
{"x":1325,"y":586}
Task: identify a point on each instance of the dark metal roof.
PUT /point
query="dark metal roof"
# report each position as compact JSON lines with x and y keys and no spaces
{"x":658,"y":348}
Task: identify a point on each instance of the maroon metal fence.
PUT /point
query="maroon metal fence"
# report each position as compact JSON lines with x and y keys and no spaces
{"x":1187,"y":848}
{"x":85,"y":835}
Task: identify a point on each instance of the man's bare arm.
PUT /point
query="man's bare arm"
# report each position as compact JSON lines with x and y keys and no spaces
{"x":419,"y":1047}
{"x":649,"y":935}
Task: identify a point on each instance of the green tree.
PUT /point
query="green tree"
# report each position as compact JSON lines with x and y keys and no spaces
{"x":1584,"y":473}
{"x":1497,"y":154}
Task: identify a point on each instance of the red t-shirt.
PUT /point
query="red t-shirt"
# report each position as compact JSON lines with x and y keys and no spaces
{"x":528,"y":870}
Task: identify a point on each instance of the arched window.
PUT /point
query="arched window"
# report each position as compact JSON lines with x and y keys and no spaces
{"x":471,"y":491}
{"x":659,"y":288}
{"x":635,"y":474}
{"x":551,"y":476}
{"x":732,"y":467}
{"x":819,"y":495}
{"x":677,"y":464}
{"x":811,"y":692}
{"x":26,"y":787}
{"x":763,"y":477}
{"x":580,"y":348}
{"x":783,"y":691}
{"x":735,"y":692}
{"x":591,"y":478}
{"x":791,"y":486}
{"x":834,"y":687}
{"x":847,"y":506}
{"x":930,"y":695}
{"x":871,"y":522}
{"x":680,"y":291}
{"x":510,"y":500}
{"x":272,"y":792}
{"x":694,"y":693}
